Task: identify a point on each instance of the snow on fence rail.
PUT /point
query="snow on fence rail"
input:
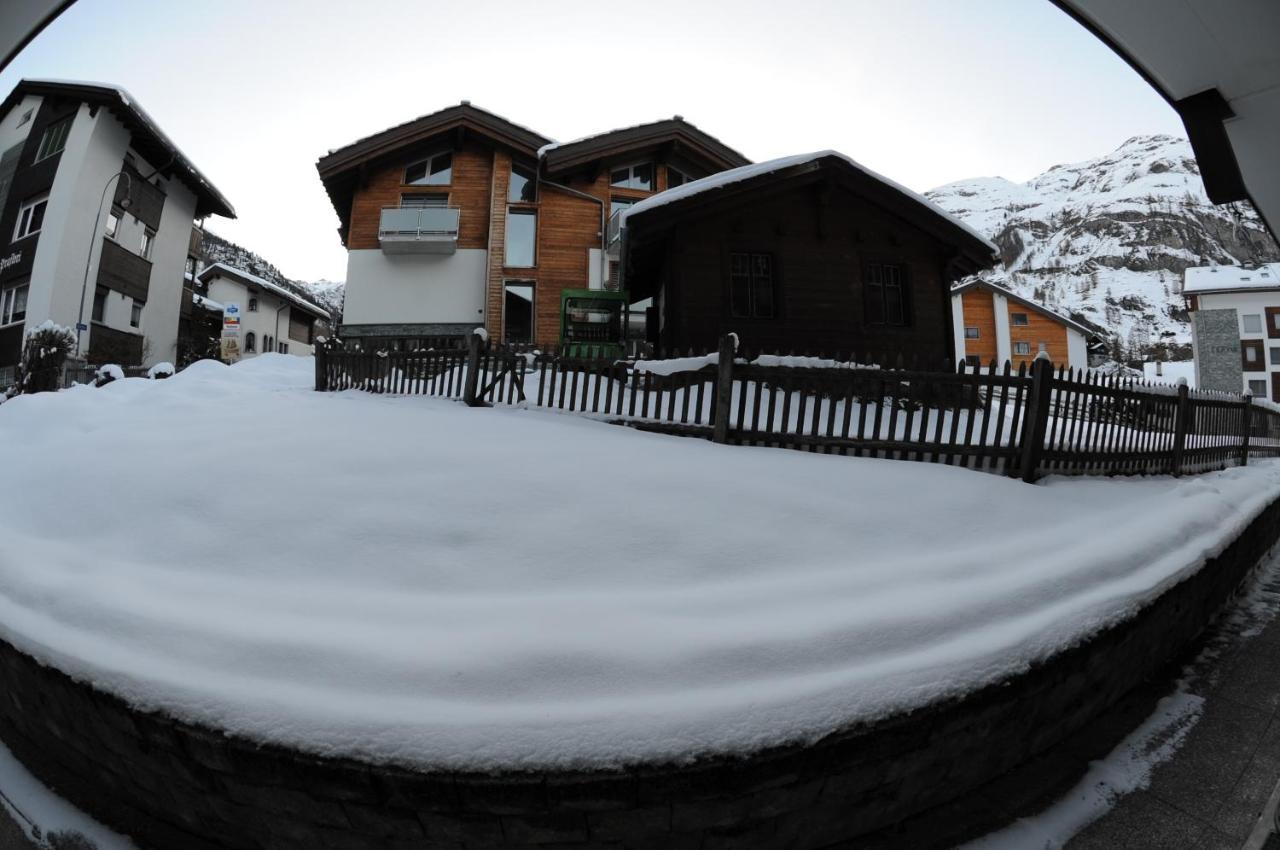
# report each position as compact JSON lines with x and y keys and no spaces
{"x":1026,"y":422}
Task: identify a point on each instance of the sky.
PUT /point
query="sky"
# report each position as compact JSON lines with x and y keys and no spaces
{"x":923,"y":91}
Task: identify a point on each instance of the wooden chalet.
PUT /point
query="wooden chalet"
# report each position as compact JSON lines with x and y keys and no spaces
{"x":812,"y":253}
{"x":993,"y":323}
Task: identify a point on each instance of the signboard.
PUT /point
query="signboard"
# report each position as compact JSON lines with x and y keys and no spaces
{"x":230,"y":349}
{"x":230,"y":319}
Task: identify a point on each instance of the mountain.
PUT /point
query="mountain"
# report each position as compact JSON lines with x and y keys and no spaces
{"x":326,"y":293}
{"x":1105,"y":241}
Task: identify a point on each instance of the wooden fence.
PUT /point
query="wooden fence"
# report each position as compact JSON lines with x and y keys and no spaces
{"x":1026,"y":422}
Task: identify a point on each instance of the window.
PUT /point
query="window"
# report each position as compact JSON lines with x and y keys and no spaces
{"x":436,"y":170}
{"x":26,"y":116}
{"x":1019,"y":319}
{"x":524,"y":184}
{"x":253,"y":305}
{"x":751,"y":294}
{"x":1258,"y":389}
{"x":1252,"y":355}
{"x":420,"y":201}
{"x":113,"y":221}
{"x":1273,"y":322}
{"x":54,"y":138}
{"x":1275,"y":356}
{"x":135,"y":315}
{"x":971,"y":333}
{"x":522,"y":230}
{"x":13,"y":304}
{"x":633,"y":177}
{"x":885,"y":296}
{"x":148,"y":239}
{"x":676,"y":178}
{"x":1252,"y":323}
{"x":973,"y":360}
{"x":284,"y":348}
{"x":31,"y":216}
{"x":619,"y":204}
{"x":250,"y":343}
{"x":517,"y":311}
{"x":268,"y":344}
{"x":191,"y":266}
{"x":99,"y":304}
{"x":1022,"y":348}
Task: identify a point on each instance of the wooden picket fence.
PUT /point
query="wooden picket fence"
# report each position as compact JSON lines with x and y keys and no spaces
{"x":1024,"y":422}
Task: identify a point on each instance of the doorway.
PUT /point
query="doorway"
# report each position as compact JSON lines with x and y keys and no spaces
{"x":517,"y":312}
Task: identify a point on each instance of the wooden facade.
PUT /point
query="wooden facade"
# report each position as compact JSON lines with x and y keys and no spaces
{"x":823,"y":243}
{"x":989,"y":309}
{"x":980,"y":315}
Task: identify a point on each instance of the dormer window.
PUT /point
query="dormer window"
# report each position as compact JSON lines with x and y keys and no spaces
{"x":638,"y":176}
{"x":435,"y":170}
{"x":676,"y":178}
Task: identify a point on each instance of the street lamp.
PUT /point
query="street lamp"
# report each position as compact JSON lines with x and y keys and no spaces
{"x":125,"y":203}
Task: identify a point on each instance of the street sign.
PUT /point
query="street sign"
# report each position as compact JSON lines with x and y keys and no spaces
{"x":81,"y":326}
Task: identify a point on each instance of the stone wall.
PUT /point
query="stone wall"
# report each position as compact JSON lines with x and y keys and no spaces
{"x":173,"y":785}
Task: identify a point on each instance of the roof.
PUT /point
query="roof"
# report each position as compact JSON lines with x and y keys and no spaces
{"x":207,"y":303}
{"x":743,"y":177}
{"x":1201,"y":279}
{"x":243,"y":276}
{"x":978,"y":283}
{"x":147,"y":137}
{"x":1216,"y":64}
{"x":674,"y":131}
{"x":339,"y":168}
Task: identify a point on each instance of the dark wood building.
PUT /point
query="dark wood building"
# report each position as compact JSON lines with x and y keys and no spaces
{"x":810,"y":254}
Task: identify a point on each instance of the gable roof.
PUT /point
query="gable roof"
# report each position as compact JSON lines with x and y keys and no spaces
{"x":748,"y":178}
{"x":146,"y":137}
{"x":977,"y":283}
{"x":224,"y":270}
{"x":642,"y":138}
{"x":1202,"y":279}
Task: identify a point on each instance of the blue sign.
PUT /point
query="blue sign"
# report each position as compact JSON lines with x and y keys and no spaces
{"x":81,"y":326}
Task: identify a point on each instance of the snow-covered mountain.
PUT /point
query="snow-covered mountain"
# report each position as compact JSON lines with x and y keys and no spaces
{"x":1105,"y":241}
{"x":327,"y":293}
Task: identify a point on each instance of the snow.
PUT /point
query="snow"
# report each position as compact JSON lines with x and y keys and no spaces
{"x":469,"y":603}
{"x":747,"y":172}
{"x":30,"y":803}
{"x":240,"y":274}
{"x":165,"y":368}
{"x":1170,"y":372}
{"x":1231,"y":278}
{"x":111,"y":370}
{"x":674,"y":364}
{"x":207,"y":303}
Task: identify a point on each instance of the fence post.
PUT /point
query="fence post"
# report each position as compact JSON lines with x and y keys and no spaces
{"x":1246,"y":406}
{"x":724,"y":387}
{"x":473,"y":371}
{"x":1180,"y":427}
{"x":321,"y":355}
{"x":1036,"y":418}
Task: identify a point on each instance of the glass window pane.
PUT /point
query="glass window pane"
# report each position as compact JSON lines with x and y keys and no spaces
{"x":18,"y":310}
{"x":740,"y":285}
{"x":418,"y":201}
{"x":616,"y":204}
{"x":762,"y":286}
{"x":1258,"y":388}
{"x":414,"y":173}
{"x":1020,"y":318}
{"x":1253,"y":324}
{"x":675,"y":178}
{"x":620,"y":177}
{"x":522,"y":229}
{"x":517,"y":322}
{"x":523,"y":185}
{"x":441,"y":171}
{"x":642,"y":176}
{"x":893,"y":304}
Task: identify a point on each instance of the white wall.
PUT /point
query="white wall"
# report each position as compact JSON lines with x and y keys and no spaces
{"x":415,"y":288}
{"x":1246,"y":304}
{"x":1077,"y":350}
{"x":263,"y":322}
{"x":957,"y":326}
{"x":1004,"y":347}
{"x":168,"y":262}
{"x":597,"y":268}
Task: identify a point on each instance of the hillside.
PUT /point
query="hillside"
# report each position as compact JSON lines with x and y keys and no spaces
{"x":326,"y":293}
{"x":1106,"y":240}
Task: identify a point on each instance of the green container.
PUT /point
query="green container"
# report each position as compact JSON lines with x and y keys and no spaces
{"x":593,"y":323}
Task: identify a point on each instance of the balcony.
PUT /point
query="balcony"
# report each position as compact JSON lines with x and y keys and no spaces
{"x":614,"y":243}
{"x":418,"y":230}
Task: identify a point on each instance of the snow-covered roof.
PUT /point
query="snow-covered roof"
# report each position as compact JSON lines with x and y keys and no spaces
{"x":747,"y":172}
{"x":207,"y":303}
{"x":211,"y":199}
{"x":1230,"y":278}
{"x":231,"y":271}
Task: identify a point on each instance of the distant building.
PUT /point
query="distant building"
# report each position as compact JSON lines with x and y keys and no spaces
{"x":72,"y":254}
{"x":272,"y":318}
{"x":993,"y":323}
{"x":806,"y":253}
{"x":462,"y":219}
{"x":1170,"y":372}
{"x":1235,"y":327}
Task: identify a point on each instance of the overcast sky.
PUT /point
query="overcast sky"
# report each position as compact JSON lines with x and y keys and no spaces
{"x":923,"y":91}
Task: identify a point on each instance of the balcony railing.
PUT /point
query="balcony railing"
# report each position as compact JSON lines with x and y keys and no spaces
{"x":615,"y":233}
{"x":419,"y":230}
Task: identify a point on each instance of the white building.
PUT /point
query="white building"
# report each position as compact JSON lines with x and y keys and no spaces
{"x":96,"y":210}
{"x":1235,"y":327}
{"x":272,"y":318}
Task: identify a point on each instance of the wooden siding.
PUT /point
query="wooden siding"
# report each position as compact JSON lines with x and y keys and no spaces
{"x":980,"y":312}
{"x":1039,"y":329}
{"x":300,"y":325}
{"x":146,"y":200}
{"x":819,"y":253}
{"x":123,"y":271}
{"x":472,"y":179}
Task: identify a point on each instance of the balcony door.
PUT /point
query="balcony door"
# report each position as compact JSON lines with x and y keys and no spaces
{"x":517,"y":312}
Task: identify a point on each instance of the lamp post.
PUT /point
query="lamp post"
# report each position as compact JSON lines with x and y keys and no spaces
{"x":125,"y":203}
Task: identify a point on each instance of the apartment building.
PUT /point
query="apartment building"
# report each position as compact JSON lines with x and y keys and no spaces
{"x":96,"y":213}
{"x":462,"y":219}
{"x":1235,"y":327}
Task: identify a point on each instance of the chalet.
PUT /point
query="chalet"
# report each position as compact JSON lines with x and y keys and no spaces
{"x":1235,"y":327}
{"x":272,"y":318}
{"x":462,"y":219}
{"x":806,"y":253}
{"x":995,"y":324}
{"x":96,"y":212}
